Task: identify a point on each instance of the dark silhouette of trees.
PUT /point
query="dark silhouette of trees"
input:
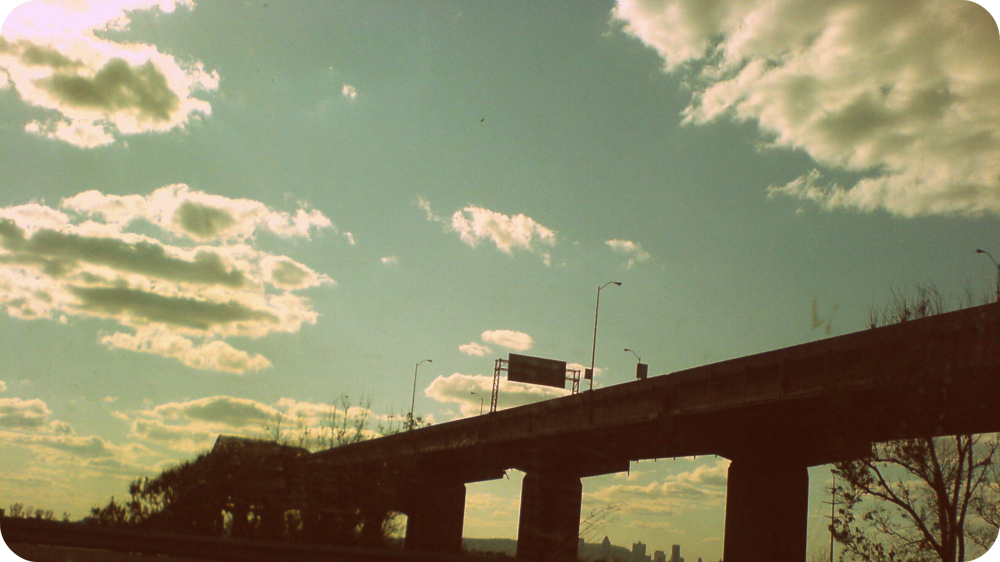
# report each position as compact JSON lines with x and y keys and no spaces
{"x":918,"y":499}
{"x":270,"y":488}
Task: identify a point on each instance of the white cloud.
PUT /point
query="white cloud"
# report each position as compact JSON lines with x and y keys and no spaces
{"x":908,"y":98}
{"x":458,"y":388}
{"x":634,"y":251}
{"x":518,"y":341}
{"x":96,"y":89}
{"x":196,"y":215}
{"x":3,"y":386}
{"x":473,"y":348}
{"x":349,"y":92}
{"x":476,"y":224}
{"x":390,"y":260}
{"x":179,"y":295}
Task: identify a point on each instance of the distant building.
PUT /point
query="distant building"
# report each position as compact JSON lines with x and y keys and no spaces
{"x":660,"y":556}
{"x":675,"y":553}
{"x":639,"y":553}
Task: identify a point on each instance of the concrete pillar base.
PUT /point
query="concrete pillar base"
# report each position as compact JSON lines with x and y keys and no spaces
{"x":767,"y":510}
{"x":435,"y":518}
{"x":549,"y":524}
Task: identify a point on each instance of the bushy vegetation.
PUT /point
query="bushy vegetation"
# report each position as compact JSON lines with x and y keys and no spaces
{"x":269,"y":488}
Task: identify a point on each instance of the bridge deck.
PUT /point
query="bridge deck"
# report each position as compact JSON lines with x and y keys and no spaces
{"x":874,"y":381}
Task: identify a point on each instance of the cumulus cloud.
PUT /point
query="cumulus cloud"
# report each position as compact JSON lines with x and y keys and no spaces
{"x":508,"y":233}
{"x":473,"y":348}
{"x":907,"y":98}
{"x":632,"y":250}
{"x":94,"y":88}
{"x":518,"y":341}
{"x":178,"y":295}
{"x":349,"y":92}
{"x":458,"y":388}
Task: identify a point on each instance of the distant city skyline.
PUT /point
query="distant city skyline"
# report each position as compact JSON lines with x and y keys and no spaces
{"x":220,"y":214}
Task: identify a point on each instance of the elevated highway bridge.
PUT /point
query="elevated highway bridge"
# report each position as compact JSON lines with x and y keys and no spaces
{"x":773,"y":415}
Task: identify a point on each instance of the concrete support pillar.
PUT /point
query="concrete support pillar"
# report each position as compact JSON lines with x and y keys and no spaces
{"x":549,"y":524}
{"x":435,"y":518}
{"x":767,"y":508}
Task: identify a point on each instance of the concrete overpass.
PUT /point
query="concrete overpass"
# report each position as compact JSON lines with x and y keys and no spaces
{"x":772,"y":414}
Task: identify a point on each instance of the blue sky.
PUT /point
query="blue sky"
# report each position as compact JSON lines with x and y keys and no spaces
{"x":214,"y":213}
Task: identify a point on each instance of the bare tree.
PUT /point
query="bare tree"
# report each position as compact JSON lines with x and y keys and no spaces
{"x":918,"y":499}
{"x":914,"y":499}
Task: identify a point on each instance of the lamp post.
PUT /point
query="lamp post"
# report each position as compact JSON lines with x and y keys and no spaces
{"x":476,"y":394}
{"x":978,"y":251}
{"x":637,"y":358}
{"x":414,"y":396}
{"x":597,"y":311}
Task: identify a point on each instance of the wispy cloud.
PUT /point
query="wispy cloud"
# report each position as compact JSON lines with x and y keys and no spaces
{"x":908,"y":98}
{"x":473,"y":348}
{"x":508,"y":233}
{"x":632,"y":250}
{"x":180,"y":295}
{"x":94,"y":88}
{"x":511,"y":339}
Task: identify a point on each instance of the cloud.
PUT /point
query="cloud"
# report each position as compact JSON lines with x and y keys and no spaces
{"x":518,"y":341}
{"x":178,"y":292}
{"x":390,"y":260}
{"x":707,"y":474}
{"x":94,"y":88}
{"x":631,"y":249}
{"x":349,"y":92}
{"x":198,"y":216}
{"x":458,"y":388}
{"x":3,"y":386}
{"x":223,"y":410}
{"x":703,"y":486}
{"x":193,"y":425}
{"x":473,"y":348}
{"x":907,"y":99}
{"x":86,"y":447}
{"x":23,"y":414}
{"x":476,"y":224}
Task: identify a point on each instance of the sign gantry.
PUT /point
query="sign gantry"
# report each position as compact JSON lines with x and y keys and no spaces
{"x":533,"y":370}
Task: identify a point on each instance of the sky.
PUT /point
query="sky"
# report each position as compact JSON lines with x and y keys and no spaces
{"x":215,"y":214}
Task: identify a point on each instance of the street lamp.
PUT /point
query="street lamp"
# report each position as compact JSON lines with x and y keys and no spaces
{"x":978,"y":251}
{"x":597,"y":310}
{"x":414,"y":396}
{"x":641,"y":369}
{"x":476,"y":394}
